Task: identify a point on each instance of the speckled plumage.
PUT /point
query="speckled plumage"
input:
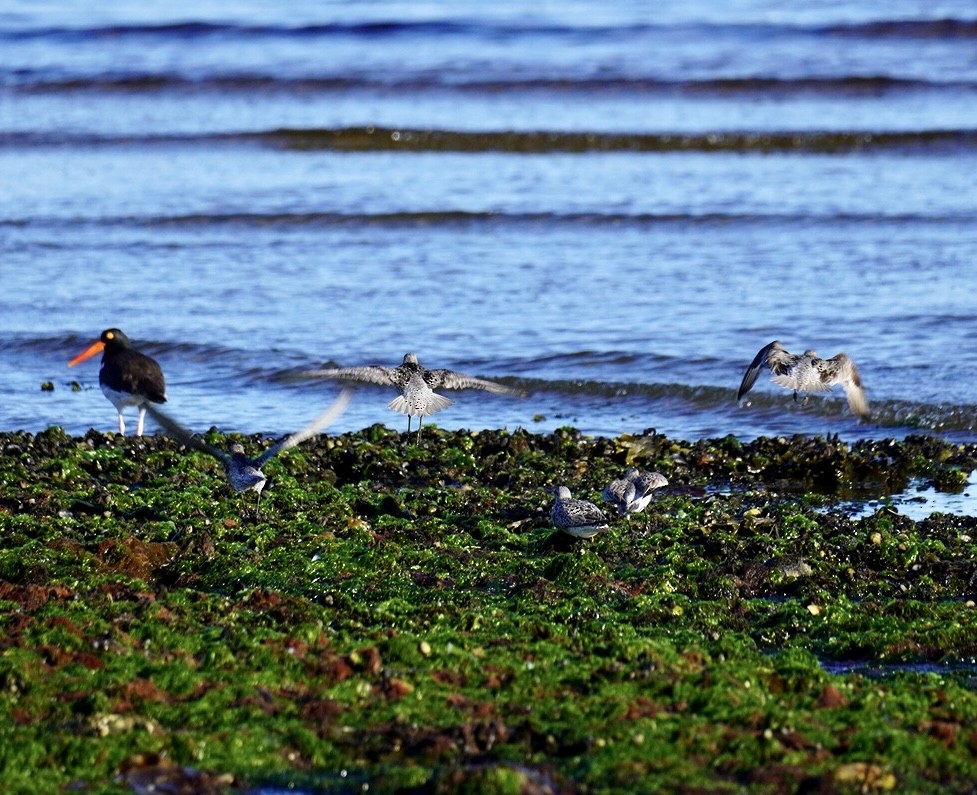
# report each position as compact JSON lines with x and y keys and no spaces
{"x":245,"y":473}
{"x":807,"y":373}
{"x":578,"y":518}
{"x":416,"y":384}
{"x":634,"y":491}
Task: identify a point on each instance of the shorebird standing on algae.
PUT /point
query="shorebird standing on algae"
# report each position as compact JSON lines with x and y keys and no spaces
{"x":416,"y":384}
{"x":245,"y":473}
{"x":807,"y":373}
{"x":634,"y":491}
{"x":578,"y":518}
{"x":127,"y":377}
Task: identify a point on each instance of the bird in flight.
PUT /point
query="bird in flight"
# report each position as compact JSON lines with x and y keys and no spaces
{"x":416,"y":383}
{"x":245,"y":473}
{"x":807,"y":373}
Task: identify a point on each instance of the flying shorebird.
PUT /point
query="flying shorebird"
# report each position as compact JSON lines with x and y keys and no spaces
{"x":807,"y":373}
{"x":245,"y":473}
{"x":416,"y":384}
{"x":577,"y":518}
{"x":127,"y":377}
{"x":634,"y":491}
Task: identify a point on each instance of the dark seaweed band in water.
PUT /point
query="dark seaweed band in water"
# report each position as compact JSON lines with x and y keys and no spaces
{"x":384,"y":139}
{"x":377,"y":138}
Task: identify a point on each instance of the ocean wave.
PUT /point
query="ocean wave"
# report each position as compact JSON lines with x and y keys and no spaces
{"x":190,"y":30}
{"x":704,"y":399}
{"x":214,"y":368}
{"x":495,"y":28}
{"x":895,"y":414}
{"x":942,"y":28}
{"x":387,"y":139}
{"x":458,"y":219}
{"x":854,"y":85}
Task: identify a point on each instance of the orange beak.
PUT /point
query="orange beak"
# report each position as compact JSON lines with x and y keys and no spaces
{"x":88,"y":353}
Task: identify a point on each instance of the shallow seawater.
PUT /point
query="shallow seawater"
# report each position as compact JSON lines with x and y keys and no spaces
{"x":961,"y":671}
{"x":918,"y":502}
{"x":610,"y":208}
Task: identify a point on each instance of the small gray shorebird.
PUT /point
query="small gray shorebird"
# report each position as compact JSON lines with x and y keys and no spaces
{"x":634,"y":491}
{"x":127,"y":377}
{"x":578,"y":518}
{"x":416,"y":384}
{"x":245,"y":473}
{"x":807,"y":373}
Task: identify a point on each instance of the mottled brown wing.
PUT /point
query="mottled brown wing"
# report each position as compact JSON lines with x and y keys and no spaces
{"x":449,"y":379}
{"x":842,"y":370}
{"x":370,"y":374}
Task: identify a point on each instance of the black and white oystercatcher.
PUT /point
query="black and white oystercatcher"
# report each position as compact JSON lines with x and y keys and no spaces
{"x":127,"y":377}
{"x":416,"y":384}
{"x":245,"y":473}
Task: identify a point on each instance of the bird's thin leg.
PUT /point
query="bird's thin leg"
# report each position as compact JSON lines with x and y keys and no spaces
{"x":122,"y":425}
{"x":408,"y":424}
{"x":244,"y":506}
{"x":420,"y":421}
{"x":139,"y":422}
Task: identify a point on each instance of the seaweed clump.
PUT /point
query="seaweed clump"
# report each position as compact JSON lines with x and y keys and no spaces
{"x":403,"y":618}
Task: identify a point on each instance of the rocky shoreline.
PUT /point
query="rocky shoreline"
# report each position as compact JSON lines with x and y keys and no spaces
{"x":404,"y":618}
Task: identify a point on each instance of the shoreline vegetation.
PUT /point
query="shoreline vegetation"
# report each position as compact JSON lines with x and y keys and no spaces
{"x":404,"y":618}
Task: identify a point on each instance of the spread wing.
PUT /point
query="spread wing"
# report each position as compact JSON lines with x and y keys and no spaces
{"x":840,"y":369}
{"x":370,"y":374}
{"x":331,"y":414}
{"x":774,"y":357}
{"x":449,"y":379}
{"x":184,"y":436}
{"x":753,"y":372}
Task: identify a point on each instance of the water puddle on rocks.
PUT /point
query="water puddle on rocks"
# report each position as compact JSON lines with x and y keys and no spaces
{"x":917,"y":502}
{"x":964,"y":672}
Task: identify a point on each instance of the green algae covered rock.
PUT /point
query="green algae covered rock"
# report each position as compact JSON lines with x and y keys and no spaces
{"x":404,"y":618}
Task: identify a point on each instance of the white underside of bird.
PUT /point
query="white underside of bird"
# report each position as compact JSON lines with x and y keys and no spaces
{"x":124,"y":400}
{"x":418,"y":399}
{"x":633,"y":492}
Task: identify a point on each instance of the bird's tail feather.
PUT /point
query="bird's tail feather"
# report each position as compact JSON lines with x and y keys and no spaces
{"x":434,"y":404}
